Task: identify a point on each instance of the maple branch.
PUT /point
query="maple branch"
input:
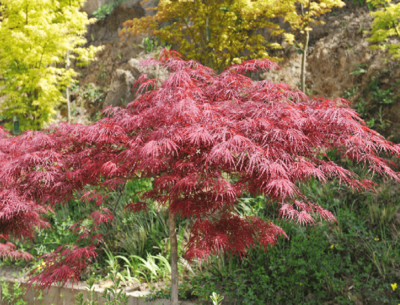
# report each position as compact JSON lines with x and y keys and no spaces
{"x":121,"y":191}
{"x":120,"y":195}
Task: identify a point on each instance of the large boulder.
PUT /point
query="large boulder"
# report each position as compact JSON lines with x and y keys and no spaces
{"x":107,"y":30}
{"x":154,"y":72}
{"x":120,"y":91}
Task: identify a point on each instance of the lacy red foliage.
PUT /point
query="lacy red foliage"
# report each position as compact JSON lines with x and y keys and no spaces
{"x":136,"y":207}
{"x":230,"y":234}
{"x":10,"y":251}
{"x":63,"y":266}
{"x":206,"y":139}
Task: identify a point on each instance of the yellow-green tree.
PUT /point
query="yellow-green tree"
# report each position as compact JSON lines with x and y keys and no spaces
{"x":309,"y":11}
{"x":219,"y":33}
{"x":385,"y":26}
{"x":35,"y":36}
{"x":216,"y":33}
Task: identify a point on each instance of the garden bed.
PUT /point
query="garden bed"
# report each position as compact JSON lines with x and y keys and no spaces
{"x":66,"y":295}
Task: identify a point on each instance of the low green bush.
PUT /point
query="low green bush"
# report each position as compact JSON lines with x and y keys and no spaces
{"x":106,"y":9}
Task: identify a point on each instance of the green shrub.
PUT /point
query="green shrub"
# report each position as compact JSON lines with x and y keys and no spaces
{"x":106,"y":9}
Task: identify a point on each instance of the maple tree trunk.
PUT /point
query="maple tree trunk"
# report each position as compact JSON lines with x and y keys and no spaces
{"x":303,"y":63}
{"x":174,"y":259}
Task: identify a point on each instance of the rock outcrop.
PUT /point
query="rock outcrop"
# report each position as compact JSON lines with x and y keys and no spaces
{"x":120,"y":91}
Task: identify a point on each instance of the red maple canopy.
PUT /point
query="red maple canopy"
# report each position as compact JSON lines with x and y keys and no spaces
{"x":206,"y":139}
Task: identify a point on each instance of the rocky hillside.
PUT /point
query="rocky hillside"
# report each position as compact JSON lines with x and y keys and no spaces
{"x":339,"y":64}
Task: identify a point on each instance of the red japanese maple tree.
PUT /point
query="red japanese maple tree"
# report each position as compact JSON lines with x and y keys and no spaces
{"x":206,"y":139}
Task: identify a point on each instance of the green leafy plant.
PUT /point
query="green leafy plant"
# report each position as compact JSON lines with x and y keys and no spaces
{"x":216,"y":298}
{"x":114,"y":295}
{"x":106,"y":9}
{"x":149,"y":268}
{"x":359,"y":70}
{"x":103,"y":72}
{"x":371,"y":123}
{"x":350,"y":92}
{"x":148,"y":44}
{"x":151,"y":44}
{"x":92,"y":92}
{"x":13,"y":295}
{"x":49,"y":240}
{"x":378,"y":95}
{"x":114,"y":267}
{"x":103,"y":11}
{"x":362,"y":108}
{"x":92,"y":299}
{"x":383,"y":123}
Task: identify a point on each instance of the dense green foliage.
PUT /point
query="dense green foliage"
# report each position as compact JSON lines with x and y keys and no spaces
{"x":11,"y":294}
{"x":356,"y":259}
{"x":106,"y":9}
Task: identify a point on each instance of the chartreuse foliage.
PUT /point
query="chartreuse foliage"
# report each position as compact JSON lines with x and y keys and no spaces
{"x":220,"y":33}
{"x":385,"y":26}
{"x":216,"y":33}
{"x":310,"y":12}
{"x":35,"y":37}
{"x":206,"y":139}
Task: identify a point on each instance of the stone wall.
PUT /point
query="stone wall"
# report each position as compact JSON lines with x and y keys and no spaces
{"x":66,"y":295}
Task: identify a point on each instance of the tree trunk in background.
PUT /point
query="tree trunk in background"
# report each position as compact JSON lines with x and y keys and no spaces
{"x":69,"y":106}
{"x":303,"y":58}
{"x":303,"y":63}
{"x":174,"y":259}
{"x":68,"y":102}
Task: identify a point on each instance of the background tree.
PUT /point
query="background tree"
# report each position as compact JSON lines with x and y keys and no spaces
{"x":216,"y":33}
{"x":207,"y":140}
{"x":385,"y":27}
{"x":36,"y":35}
{"x":309,"y":12}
